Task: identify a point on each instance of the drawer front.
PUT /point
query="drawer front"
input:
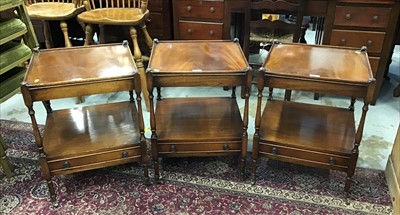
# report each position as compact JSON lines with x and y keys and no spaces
{"x":200,"y":31}
{"x":374,"y":62}
{"x":304,"y":155}
{"x":372,"y":40}
{"x":198,"y":148}
{"x":200,"y":9}
{"x":362,"y":16}
{"x":75,"y":163}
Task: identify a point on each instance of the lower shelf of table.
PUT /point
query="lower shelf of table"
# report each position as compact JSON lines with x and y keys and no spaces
{"x":91,"y":137}
{"x":198,"y":126}
{"x":307,"y":134}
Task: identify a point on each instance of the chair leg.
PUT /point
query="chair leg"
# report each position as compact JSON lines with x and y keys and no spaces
{"x":64,"y":29}
{"x":88,"y":35}
{"x":139,"y":63}
{"x":149,"y":41}
{"x":47,"y":34}
{"x":102,"y":39}
{"x":5,"y":163}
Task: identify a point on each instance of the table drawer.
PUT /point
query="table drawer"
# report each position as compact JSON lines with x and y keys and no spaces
{"x":200,"y":9}
{"x":169,"y":148}
{"x":306,"y":155}
{"x":375,"y":17}
{"x":374,"y":62}
{"x":372,"y":40}
{"x":77,"y":162}
{"x":200,"y":30}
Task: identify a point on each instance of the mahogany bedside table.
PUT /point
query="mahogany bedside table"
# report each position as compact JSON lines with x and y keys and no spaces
{"x":90,"y":137}
{"x":188,"y":127}
{"x":307,"y":134}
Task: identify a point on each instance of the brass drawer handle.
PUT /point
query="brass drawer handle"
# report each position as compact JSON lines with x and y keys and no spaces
{"x":348,"y":16}
{"x":369,"y":43}
{"x":189,"y":31}
{"x":225,"y":147}
{"x":124,"y":154}
{"x":189,"y":8}
{"x":211,"y":33}
{"x":172,"y":148}
{"x":331,"y":161}
{"x":375,"y":18}
{"x":66,"y":164}
{"x":274,"y":151}
{"x":212,"y":9}
{"x":343,"y":41}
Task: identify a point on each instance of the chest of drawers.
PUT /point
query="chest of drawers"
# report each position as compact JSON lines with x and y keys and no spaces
{"x":200,"y":19}
{"x":367,"y":23}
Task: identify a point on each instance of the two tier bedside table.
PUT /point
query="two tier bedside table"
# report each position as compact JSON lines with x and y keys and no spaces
{"x":188,"y":127}
{"x":90,"y":137}
{"x":314,"y":135}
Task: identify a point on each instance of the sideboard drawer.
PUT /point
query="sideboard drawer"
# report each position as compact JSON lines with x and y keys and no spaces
{"x":201,"y":9}
{"x":169,"y":148}
{"x":200,"y":30}
{"x":372,"y":40}
{"x":377,"y":17}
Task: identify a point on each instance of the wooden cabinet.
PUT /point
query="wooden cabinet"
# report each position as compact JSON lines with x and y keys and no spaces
{"x":90,"y":137}
{"x":200,"y":19}
{"x":367,"y":23}
{"x":309,"y":134}
{"x":209,"y":126}
{"x":159,"y":23}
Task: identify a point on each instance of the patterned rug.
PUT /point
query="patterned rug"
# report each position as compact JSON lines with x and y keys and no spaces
{"x":191,"y":186}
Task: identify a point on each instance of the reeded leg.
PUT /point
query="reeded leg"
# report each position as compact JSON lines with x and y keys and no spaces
{"x":139,"y":62}
{"x":64,"y":29}
{"x":47,"y":35}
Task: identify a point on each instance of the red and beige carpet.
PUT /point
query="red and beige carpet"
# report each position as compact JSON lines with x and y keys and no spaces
{"x":191,"y":186}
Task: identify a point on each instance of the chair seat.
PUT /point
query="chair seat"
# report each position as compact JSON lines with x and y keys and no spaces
{"x":113,"y":16}
{"x":259,"y":37}
{"x":53,"y":10}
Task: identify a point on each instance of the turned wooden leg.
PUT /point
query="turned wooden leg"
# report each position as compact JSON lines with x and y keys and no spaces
{"x":102,"y":39}
{"x":64,"y":29}
{"x":5,"y":163}
{"x":47,"y":176}
{"x":47,"y":35}
{"x":158,"y":93}
{"x":316,"y":96}
{"x":270,"y":91}
{"x":288,"y":94}
{"x":149,"y":41}
{"x":139,"y":63}
{"x":88,"y":35}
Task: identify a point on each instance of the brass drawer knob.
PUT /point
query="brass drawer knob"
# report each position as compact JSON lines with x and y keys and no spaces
{"x":343,"y":41}
{"x":189,"y":8}
{"x":348,"y":16}
{"x":212,"y":9}
{"x":331,"y":161}
{"x":172,"y":148}
{"x":369,"y":43}
{"x":225,"y":147}
{"x":274,"y":151}
{"x":124,"y":154}
{"x":211,"y":33}
{"x":189,"y":31}
{"x":375,"y":18}
{"x":66,"y":164}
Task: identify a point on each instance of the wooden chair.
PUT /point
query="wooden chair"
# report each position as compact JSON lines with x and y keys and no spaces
{"x":275,"y":21}
{"x":5,"y":163}
{"x":131,"y":13}
{"x":54,"y":10}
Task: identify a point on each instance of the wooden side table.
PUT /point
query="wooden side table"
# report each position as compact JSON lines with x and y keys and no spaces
{"x":188,"y":127}
{"x":90,"y":137}
{"x":313,"y":135}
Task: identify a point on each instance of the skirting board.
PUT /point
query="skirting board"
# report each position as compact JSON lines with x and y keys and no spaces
{"x":393,"y":184}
